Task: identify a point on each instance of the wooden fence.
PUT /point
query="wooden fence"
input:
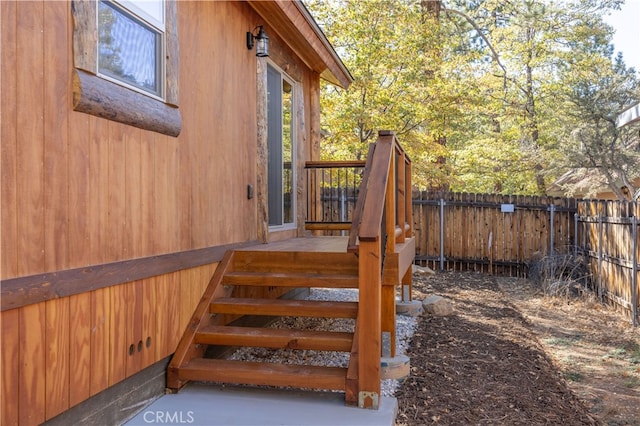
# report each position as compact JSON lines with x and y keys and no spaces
{"x":608,"y":238}
{"x":504,"y":235}
{"x":489,"y":233}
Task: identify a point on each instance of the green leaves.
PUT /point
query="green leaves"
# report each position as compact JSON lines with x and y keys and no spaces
{"x":490,"y":98}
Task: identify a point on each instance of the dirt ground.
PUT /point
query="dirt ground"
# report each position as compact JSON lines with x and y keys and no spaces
{"x":511,"y":356}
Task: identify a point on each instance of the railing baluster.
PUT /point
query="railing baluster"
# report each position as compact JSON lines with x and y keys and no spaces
{"x":331,"y":190}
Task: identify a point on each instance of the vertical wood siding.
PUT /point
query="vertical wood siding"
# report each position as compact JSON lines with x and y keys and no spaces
{"x":78,"y":190}
{"x":55,"y":354}
{"x":30,"y":138}
{"x":8,"y":139}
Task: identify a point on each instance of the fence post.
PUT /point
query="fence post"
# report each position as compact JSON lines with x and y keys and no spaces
{"x":575,"y":234}
{"x":600,"y":255}
{"x":634,"y":278}
{"x":552,"y":213}
{"x":442,"y":234}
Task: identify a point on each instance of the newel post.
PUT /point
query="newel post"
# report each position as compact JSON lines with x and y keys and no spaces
{"x":370,"y":330}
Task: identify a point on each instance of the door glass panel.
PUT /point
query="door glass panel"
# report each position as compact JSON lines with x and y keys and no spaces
{"x":280,"y":143}
{"x":287,"y":151}
{"x":274,"y":145}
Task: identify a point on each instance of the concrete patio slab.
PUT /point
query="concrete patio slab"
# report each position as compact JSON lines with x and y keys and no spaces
{"x":205,"y":405}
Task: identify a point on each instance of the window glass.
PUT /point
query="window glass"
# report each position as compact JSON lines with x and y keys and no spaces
{"x":129,"y":50}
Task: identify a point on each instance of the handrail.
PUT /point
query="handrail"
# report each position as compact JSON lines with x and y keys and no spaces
{"x":382,"y":221}
{"x":374,"y":196}
{"x":379,"y":172}
{"x":352,"y":245}
{"x":334,"y":164}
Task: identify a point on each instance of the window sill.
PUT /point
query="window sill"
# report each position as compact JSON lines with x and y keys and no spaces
{"x":97,"y":96}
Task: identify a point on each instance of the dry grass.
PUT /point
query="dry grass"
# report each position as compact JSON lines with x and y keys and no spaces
{"x":595,"y":347}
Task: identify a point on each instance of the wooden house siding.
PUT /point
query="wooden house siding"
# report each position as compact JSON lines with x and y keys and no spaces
{"x":58,"y":353}
{"x":80,"y":192}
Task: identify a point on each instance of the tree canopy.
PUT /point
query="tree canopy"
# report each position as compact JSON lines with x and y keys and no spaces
{"x":485,"y":95}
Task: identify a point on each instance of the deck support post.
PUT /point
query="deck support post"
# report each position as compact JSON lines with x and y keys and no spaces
{"x":389,"y":316}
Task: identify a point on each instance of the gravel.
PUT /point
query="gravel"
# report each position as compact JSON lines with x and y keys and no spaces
{"x":405,"y":327}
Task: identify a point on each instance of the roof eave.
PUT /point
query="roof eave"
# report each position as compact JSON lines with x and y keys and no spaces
{"x":295,"y":25}
{"x":339,"y":72}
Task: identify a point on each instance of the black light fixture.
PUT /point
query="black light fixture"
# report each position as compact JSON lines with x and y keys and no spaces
{"x":260,"y":40}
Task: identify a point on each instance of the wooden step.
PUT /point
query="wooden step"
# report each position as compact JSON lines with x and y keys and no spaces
{"x":275,"y":338}
{"x":258,"y":373}
{"x":279,"y":279}
{"x":284,"y":307}
{"x":296,"y":262}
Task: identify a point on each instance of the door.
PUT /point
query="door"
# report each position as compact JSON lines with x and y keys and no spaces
{"x":280,"y":145}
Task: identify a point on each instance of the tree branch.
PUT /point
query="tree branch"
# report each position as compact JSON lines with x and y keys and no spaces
{"x":475,"y":26}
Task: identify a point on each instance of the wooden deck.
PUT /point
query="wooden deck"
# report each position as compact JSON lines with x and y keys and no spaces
{"x":396,"y":264}
{"x":304,"y":244}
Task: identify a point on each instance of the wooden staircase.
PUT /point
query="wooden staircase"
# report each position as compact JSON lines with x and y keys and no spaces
{"x":257,"y":283}
{"x":247,"y":284}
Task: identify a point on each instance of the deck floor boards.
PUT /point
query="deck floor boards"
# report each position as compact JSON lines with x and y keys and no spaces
{"x":304,"y":244}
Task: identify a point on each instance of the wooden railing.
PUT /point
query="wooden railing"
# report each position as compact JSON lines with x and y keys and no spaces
{"x":335,"y":204}
{"x":333,"y":188}
{"x":372,"y":202}
{"x":382,"y":217}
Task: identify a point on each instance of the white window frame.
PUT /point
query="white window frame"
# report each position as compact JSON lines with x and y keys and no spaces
{"x":129,"y":7}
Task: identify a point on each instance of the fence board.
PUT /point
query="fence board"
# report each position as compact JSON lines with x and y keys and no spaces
{"x":452,"y":232}
{"x":610,"y":249}
{"x":471,"y":219}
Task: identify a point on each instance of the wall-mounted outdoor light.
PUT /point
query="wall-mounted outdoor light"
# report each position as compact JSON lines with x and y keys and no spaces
{"x":260,"y":40}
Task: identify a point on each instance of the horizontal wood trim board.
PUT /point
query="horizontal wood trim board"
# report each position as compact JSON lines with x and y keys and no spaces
{"x":23,"y":291}
{"x":606,"y":219}
{"x":620,"y":261}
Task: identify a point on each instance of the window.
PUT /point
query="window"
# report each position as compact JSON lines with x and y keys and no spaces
{"x":126,"y":59}
{"x":131,"y":44}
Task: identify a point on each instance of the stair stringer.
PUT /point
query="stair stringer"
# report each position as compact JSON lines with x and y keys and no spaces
{"x":351,"y":386}
{"x":187,"y":348}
